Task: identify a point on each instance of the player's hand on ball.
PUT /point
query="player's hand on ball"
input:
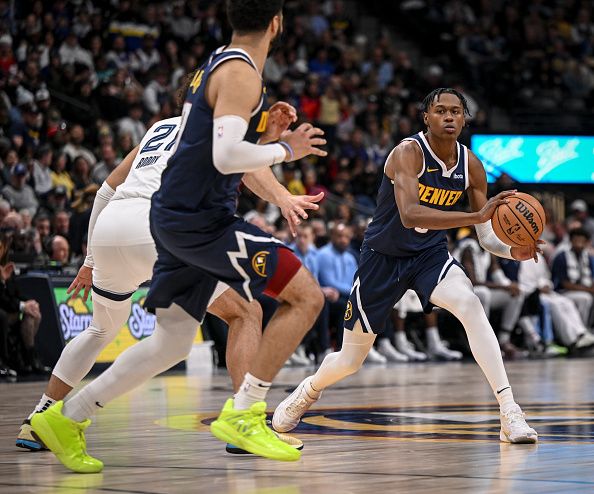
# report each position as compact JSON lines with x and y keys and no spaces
{"x":280,"y":116}
{"x":83,"y":281}
{"x":294,"y":209}
{"x":304,"y":140}
{"x":528,"y":251}
{"x":488,"y":209}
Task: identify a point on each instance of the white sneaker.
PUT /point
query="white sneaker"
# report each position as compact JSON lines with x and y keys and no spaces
{"x":514,"y":428}
{"x":289,"y":412}
{"x":408,"y":349}
{"x":386,"y":349}
{"x":442,"y":352}
{"x":374,"y":357}
{"x":299,"y":359}
{"x":585,"y":340}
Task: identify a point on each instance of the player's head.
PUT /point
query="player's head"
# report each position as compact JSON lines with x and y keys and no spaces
{"x":444,"y":112}
{"x":182,"y":90}
{"x":265,"y":17}
{"x":579,"y":238}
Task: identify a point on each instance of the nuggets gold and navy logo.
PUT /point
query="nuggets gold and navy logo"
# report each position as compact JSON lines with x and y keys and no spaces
{"x":259,"y":262}
{"x":348,"y":313}
{"x":555,"y":422}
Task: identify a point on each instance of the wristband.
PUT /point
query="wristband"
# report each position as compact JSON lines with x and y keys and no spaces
{"x":288,"y":147}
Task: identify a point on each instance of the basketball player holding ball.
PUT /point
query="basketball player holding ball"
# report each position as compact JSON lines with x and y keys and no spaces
{"x":405,"y":247}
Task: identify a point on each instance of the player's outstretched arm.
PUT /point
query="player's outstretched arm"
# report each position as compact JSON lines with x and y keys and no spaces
{"x":264,"y":184}
{"x":477,"y":196}
{"x":234,"y":91}
{"x":403,"y":166}
{"x":84,"y":280}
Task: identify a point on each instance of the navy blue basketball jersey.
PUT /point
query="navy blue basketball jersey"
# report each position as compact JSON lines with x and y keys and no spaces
{"x":439,"y":188}
{"x":194,"y":195}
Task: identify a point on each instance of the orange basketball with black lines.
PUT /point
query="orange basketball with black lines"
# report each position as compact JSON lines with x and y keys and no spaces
{"x":519,"y":222}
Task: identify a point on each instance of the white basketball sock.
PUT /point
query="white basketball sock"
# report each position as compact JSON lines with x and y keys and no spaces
{"x":252,"y":390}
{"x":44,"y":403}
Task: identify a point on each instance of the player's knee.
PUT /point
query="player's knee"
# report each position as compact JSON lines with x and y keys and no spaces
{"x":468,"y":306}
{"x":315,"y":299}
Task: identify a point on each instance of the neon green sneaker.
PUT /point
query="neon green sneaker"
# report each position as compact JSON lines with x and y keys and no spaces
{"x":247,"y":430}
{"x":65,"y":438}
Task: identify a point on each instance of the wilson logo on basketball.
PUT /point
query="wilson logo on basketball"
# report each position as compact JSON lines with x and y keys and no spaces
{"x":528,"y":216}
{"x":259,"y":262}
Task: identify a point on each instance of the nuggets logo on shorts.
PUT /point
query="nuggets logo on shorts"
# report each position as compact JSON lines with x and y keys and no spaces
{"x":259,"y":262}
{"x":348,"y":313}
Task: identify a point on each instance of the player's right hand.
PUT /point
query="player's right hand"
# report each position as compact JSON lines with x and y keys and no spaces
{"x":83,"y":280}
{"x":486,"y":212}
{"x":304,"y":141}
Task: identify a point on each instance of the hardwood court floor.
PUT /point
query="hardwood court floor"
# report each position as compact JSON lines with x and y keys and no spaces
{"x":406,"y":428}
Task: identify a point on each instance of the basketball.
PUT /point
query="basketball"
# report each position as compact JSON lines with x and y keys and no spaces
{"x":519,"y":222}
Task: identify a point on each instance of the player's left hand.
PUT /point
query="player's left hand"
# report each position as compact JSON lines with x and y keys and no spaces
{"x":83,"y":280}
{"x":294,"y":209}
{"x":527,"y":252}
{"x":280,"y":116}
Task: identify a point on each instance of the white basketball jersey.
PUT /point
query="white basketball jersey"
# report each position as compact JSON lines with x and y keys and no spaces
{"x":154,"y":151}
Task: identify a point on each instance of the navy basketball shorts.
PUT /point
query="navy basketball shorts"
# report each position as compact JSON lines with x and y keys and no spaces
{"x":382,"y":280}
{"x":242,"y":256}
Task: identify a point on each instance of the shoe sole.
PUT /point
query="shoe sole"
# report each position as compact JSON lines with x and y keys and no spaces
{"x":522,"y":440}
{"x":30,"y":445}
{"x":229,"y":435}
{"x":290,"y":440}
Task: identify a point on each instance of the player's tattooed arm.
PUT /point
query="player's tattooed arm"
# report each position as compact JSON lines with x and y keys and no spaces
{"x":403,"y":166}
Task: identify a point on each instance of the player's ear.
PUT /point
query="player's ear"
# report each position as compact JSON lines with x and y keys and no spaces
{"x":425,"y":118}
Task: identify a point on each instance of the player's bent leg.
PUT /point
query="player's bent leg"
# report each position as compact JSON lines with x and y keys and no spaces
{"x":77,"y":359}
{"x":335,"y":367}
{"x":245,"y":332}
{"x":170,"y":342}
{"x":301,"y":301}
{"x":454,"y":293}
{"x":242,"y":421}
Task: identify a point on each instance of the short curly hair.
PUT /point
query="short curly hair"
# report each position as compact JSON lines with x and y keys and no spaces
{"x":248,"y":16}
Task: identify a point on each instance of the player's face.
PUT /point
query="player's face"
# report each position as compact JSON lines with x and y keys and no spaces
{"x":445,"y":117}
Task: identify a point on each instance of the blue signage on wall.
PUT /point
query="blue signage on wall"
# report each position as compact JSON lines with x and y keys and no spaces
{"x":536,"y":159}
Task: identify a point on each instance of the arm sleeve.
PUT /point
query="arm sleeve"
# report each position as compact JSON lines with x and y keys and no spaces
{"x":231,"y":154}
{"x":104,"y":195}
{"x":490,"y":242}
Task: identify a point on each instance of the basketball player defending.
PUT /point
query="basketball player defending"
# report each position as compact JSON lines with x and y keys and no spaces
{"x":199,"y":241}
{"x":125,"y":254}
{"x":405,"y":247}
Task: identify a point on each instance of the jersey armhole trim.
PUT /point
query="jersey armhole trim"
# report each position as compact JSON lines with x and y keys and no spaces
{"x":466,"y":176}
{"x":422,"y":152}
{"x":247,"y":59}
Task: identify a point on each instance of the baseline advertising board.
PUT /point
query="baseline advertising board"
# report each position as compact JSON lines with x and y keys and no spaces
{"x":537,"y":158}
{"x":75,"y":315}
